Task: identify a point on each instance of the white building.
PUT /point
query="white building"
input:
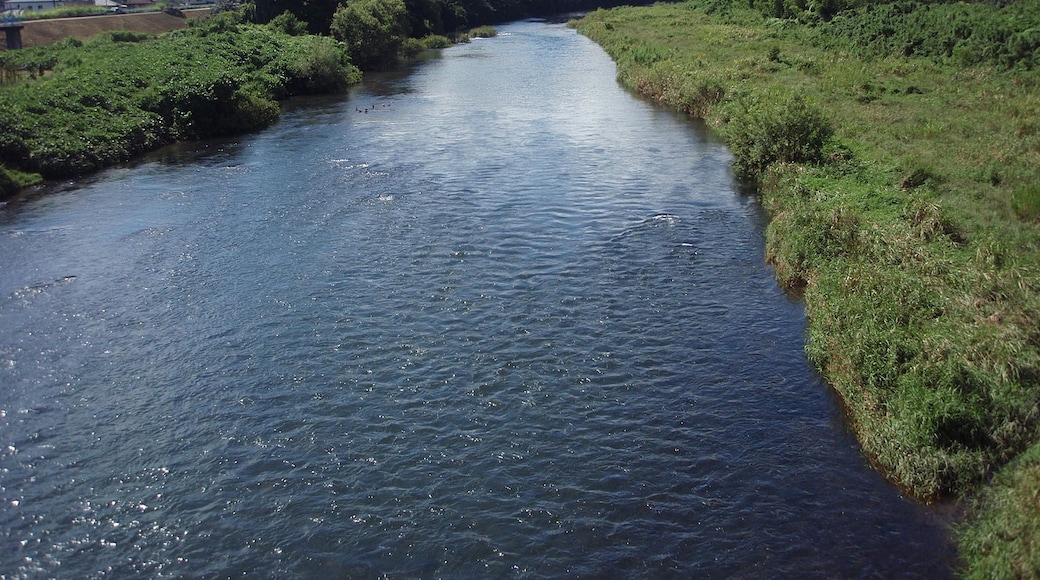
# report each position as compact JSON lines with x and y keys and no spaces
{"x":33,"y":5}
{"x":37,"y":5}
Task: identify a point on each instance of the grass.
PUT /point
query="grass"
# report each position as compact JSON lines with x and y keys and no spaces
{"x":12,"y":181}
{"x":903,"y":195}
{"x":64,"y":12}
{"x":1008,"y":510}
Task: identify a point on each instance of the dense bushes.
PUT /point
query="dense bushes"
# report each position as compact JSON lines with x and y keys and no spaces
{"x":1001,"y":33}
{"x":372,"y":29}
{"x":1007,"y":36}
{"x":115,"y":97}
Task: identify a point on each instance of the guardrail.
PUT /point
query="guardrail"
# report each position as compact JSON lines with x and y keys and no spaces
{"x":9,"y":20}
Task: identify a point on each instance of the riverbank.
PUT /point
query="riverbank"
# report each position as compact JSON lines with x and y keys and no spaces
{"x":903,"y":195}
{"x":79,"y":106}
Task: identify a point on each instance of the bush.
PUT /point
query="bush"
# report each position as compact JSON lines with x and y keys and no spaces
{"x":436,"y":41}
{"x":763,"y":131}
{"x":374,"y":31}
{"x":1006,"y":36}
{"x":128,"y":36}
{"x":8,"y":186}
{"x":288,"y":23}
{"x":320,"y":65}
{"x":483,"y":32}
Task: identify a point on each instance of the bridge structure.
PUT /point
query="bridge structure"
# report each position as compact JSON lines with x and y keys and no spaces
{"x":12,"y":27}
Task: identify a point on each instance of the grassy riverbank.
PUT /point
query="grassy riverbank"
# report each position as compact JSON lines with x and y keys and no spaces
{"x":78,"y":106}
{"x":901,"y":170}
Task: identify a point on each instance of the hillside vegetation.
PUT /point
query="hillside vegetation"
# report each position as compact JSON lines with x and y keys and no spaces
{"x":897,"y":150}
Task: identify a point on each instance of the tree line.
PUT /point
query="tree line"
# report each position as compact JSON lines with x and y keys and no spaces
{"x":425,"y":17}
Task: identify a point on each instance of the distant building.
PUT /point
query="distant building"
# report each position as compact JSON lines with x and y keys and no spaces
{"x":35,"y":5}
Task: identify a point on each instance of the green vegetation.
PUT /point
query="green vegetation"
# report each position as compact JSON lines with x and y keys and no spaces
{"x":374,"y":30}
{"x":483,"y":32}
{"x":1008,"y":510}
{"x":83,"y":106}
{"x":64,"y":12}
{"x":897,"y":150}
{"x":964,"y":34}
{"x":12,"y":181}
{"x":425,"y":17}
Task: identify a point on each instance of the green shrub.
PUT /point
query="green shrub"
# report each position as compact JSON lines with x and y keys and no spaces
{"x":373,"y":30}
{"x":411,"y":47}
{"x":128,"y":36}
{"x":321,"y":65}
{"x":436,"y":41}
{"x":288,"y":23}
{"x":761,"y":131}
{"x":483,"y":32}
{"x":8,"y":186}
{"x":805,"y":235}
{"x":1006,"y":36}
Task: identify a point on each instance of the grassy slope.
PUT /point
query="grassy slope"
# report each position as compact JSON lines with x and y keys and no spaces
{"x":915,"y":242}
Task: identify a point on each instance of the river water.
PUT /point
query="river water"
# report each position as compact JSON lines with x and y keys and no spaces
{"x":510,"y":321}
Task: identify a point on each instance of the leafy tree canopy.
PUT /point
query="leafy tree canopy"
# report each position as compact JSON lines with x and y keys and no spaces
{"x":316,"y":13}
{"x":373,"y":29}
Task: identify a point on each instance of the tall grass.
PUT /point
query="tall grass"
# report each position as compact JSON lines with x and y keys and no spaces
{"x":1008,"y":510}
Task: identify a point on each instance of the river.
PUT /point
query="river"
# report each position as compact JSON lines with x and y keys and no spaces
{"x":489,"y":315}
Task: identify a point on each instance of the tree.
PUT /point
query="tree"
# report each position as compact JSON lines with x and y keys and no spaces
{"x":316,"y":13}
{"x":373,"y":31}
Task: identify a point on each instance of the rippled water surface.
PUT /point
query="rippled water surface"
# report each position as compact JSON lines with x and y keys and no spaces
{"x":510,"y":321}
